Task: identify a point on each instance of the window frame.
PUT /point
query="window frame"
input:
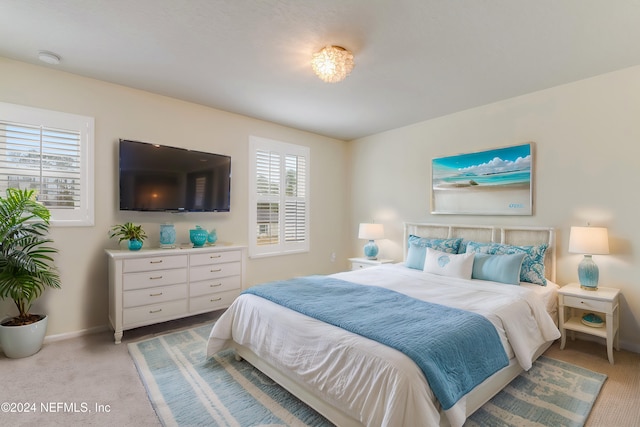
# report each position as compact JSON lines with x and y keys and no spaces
{"x":282,"y":247}
{"x":30,"y":116}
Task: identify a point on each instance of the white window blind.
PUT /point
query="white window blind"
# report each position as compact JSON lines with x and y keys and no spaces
{"x":279,"y":205}
{"x":49,"y":152}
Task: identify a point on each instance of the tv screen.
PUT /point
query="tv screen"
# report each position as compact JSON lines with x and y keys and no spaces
{"x":162,"y":178}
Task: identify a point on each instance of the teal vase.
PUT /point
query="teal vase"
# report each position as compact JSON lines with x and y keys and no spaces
{"x":167,"y":236}
{"x":213,"y":237}
{"x":198,"y":236}
{"x":135,"y":244}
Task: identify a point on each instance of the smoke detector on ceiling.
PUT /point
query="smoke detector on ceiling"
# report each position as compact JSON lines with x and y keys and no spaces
{"x":48,"y":57}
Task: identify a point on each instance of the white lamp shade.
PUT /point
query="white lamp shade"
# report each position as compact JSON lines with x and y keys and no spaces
{"x":371,"y":231}
{"x":589,"y":240}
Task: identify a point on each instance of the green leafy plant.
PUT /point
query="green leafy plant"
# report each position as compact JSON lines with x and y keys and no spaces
{"x":127,"y":231}
{"x":26,"y":265}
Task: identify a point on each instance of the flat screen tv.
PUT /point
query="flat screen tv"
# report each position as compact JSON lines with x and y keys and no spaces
{"x":162,"y":178}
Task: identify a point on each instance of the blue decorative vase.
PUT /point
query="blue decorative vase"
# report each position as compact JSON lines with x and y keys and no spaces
{"x":371,"y":250}
{"x":198,"y":236}
{"x":212,"y":237}
{"x":167,"y":236}
{"x":135,"y":244}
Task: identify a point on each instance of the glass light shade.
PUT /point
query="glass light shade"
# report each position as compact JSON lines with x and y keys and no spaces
{"x":332,"y":64}
{"x":588,"y":241}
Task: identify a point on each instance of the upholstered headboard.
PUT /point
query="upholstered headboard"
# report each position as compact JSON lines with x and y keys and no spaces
{"x":511,"y":235}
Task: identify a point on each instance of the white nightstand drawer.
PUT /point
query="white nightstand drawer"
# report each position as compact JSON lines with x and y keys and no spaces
{"x":150,"y":279}
{"x":215,"y":258}
{"x":206,"y":272}
{"x":213,"y":301}
{"x":360,"y":265}
{"x":154,"y":295}
{"x":216,"y":285}
{"x":587,"y":304}
{"x":154,"y":263}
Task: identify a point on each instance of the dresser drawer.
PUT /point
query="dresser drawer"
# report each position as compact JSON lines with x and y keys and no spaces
{"x":213,"y":301}
{"x":154,"y":295}
{"x":214,"y":271}
{"x":150,"y":279}
{"x":154,"y":263}
{"x":214,"y":285}
{"x":154,"y":313}
{"x":588,"y":304}
{"x":215,"y":257}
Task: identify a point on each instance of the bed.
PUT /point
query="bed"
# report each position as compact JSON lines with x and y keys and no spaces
{"x":353,"y":380}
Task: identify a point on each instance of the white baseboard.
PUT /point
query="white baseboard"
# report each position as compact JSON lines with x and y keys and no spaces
{"x":68,"y":335}
{"x":75,"y":334}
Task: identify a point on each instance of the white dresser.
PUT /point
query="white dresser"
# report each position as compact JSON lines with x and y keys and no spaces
{"x":155,"y":285}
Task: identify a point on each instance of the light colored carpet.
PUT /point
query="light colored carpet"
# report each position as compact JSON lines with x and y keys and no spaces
{"x":188,"y":390}
{"x":92,"y":369}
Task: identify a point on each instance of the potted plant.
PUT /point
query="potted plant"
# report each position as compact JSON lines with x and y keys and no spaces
{"x":26,"y":269}
{"x":131,"y":232}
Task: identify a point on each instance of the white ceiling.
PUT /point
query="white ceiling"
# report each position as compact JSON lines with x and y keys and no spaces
{"x":415,"y":59}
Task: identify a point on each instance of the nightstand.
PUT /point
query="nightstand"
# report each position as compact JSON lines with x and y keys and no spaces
{"x":360,"y":263}
{"x":574,"y":302}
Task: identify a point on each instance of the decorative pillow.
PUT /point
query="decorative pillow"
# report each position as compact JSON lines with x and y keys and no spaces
{"x":498,"y":268}
{"x":448,"y":264}
{"x":532,"y":270}
{"x":418,"y":249}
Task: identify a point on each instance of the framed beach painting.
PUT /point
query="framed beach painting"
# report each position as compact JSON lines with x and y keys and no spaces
{"x":492,"y":182}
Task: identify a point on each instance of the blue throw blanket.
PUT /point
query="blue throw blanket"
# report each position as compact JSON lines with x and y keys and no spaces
{"x":455,"y":349}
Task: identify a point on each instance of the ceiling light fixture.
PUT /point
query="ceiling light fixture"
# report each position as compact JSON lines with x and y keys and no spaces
{"x":332,"y":64}
{"x":48,"y":57}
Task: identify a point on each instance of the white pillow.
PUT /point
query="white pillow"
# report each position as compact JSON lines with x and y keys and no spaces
{"x":445,"y":264}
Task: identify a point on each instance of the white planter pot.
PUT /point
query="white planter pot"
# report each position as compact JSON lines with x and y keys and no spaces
{"x":23,"y":341}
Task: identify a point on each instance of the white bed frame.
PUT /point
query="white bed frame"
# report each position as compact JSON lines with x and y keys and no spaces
{"x":477,"y":397}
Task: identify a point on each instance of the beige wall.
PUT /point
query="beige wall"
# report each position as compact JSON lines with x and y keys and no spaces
{"x":587,"y":158}
{"x":586,"y":137}
{"x":121,"y":112}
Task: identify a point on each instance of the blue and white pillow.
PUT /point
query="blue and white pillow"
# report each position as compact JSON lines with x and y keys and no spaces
{"x":448,"y":264}
{"x":498,"y":268}
{"x":418,"y":249}
{"x":532,"y":270}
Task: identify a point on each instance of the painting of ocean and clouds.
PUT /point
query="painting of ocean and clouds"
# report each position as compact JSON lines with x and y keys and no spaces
{"x":492,"y":182}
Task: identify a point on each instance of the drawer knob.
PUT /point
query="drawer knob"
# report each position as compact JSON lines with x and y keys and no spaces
{"x":155,"y":277}
{"x":156,"y":262}
{"x":216,"y":299}
{"x":155,"y":311}
{"x":155,"y":295}
{"x":216,"y":270}
{"x":215,"y":285}
{"x":215,"y":256}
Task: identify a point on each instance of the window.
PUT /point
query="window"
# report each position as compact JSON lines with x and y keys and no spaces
{"x":279,"y":198}
{"x":52,"y":153}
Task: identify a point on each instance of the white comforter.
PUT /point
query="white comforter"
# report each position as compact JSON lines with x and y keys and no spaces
{"x":367,"y":380}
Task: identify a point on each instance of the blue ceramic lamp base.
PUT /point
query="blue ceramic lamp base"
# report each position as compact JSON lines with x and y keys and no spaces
{"x":371,"y":250}
{"x":588,"y":274}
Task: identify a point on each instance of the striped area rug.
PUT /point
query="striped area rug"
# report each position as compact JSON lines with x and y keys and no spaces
{"x":187,"y":390}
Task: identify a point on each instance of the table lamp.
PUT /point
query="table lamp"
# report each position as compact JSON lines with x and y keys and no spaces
{"x":588,"y":241}
{"x":371,"y":232}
